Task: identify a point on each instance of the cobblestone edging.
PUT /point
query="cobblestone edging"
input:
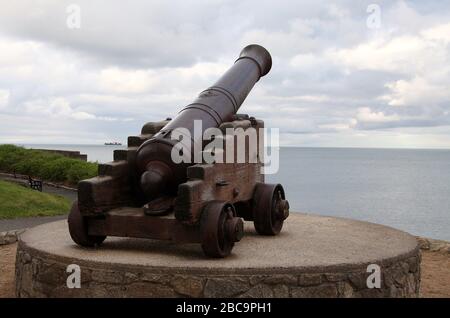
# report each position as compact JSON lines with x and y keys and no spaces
{"x":42,"y":275}
{"x":10,"y":237}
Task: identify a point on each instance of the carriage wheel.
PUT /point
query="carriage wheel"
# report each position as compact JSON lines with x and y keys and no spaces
{"x":270,"y":208}
{"x":79,"y":231}
{"x":220,"y":229}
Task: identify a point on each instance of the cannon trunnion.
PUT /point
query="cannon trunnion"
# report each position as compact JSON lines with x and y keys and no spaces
{"x":142,"y":194}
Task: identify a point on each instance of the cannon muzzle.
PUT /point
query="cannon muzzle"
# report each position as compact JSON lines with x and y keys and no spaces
{"x":159,"y":175}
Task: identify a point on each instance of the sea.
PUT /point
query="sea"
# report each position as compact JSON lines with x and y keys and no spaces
{"x":408,"y":189}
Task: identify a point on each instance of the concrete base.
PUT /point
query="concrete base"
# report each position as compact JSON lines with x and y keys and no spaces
{"x":314,"y":256}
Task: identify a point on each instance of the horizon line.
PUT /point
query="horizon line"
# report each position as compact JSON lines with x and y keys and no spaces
{"x":285,"y":146}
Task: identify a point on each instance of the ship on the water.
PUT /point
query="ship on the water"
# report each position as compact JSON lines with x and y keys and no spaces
{"x":114,"y":143}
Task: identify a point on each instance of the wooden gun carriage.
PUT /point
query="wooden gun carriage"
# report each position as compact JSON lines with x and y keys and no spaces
{"x":138,"y":194}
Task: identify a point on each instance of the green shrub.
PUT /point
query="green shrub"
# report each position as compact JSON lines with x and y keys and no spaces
{"x":79,"y":171}
{"x":45,"y":165}
{"x":55,"y":170}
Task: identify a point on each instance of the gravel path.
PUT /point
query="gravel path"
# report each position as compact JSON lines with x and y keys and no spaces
{"x":435,"y":274}
{"x":7,"y":265}
{"x":23,"y":223}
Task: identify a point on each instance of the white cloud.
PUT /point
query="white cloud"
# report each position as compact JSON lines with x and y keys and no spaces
{"x":365,"y":114}
{"x":82,"y":116}
{"x":439,"y":33}
{"x":337,"y":127}
{"x":417,"y":91}
{"x":4,"y":98}
{"x":423,"y":58}
{"x":383,"y":54}
{"x":306,"y":62}
{"x":127,"y":81}
{"x":59,"y":108}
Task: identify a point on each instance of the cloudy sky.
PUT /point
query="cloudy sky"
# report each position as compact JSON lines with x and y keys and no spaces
{"x":340,"y":77}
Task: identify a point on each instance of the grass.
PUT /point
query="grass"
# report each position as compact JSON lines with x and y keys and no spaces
{"x":17,"y":201}
{"x":44,"y":165}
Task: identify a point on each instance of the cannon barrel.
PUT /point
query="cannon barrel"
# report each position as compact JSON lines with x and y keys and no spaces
{"x":159,"y":175}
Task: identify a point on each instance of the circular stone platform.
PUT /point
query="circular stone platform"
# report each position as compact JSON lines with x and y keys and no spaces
{"x":314,"y":256}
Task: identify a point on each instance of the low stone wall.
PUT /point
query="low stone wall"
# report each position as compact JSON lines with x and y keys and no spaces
{"x":43,"y":276}
{"x":314,"y":257}
{"x":67,"y":153}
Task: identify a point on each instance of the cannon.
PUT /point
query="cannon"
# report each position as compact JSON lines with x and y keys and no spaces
{"x":145,"y":193}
